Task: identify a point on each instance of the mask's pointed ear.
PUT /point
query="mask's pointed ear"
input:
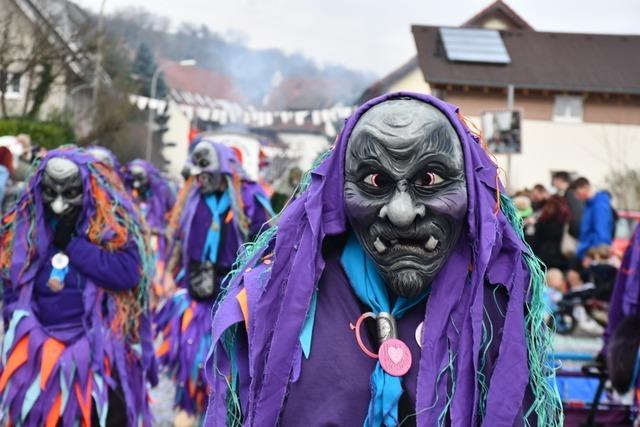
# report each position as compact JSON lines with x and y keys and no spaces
{"x":622,"y":357}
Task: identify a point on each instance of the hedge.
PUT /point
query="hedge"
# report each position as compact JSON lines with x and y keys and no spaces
{"x":49,"y":134}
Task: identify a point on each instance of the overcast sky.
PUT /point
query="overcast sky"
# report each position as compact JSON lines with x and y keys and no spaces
{"x":373,"y":35}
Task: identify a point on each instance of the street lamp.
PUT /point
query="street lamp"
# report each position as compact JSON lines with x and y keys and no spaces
{"x":154,"y":88}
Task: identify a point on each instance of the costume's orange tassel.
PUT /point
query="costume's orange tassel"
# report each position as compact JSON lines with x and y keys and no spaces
{"x":51,"y":351}
{"x":163,"y":349}
{"x":54,"y":412}
{"x":107,"y":367}
{"x":85,"y":402}
{"x":105,"y":219}
{"x":18,"y":357}
{"x":229,"y":217}
{"x":191,"y":387}
{"x":187,"y":316}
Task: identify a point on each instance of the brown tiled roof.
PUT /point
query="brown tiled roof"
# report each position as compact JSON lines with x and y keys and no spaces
{"x":196,"y":81}
{"x":498,"y":9}
{"x":540,"y":60}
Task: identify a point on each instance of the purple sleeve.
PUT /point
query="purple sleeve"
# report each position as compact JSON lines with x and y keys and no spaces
{"x":115,"y":270}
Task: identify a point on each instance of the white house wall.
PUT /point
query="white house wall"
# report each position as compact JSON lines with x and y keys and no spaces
{"x":592,"y":150}
{"x":413,"y":82}
{"x":177,"y":133}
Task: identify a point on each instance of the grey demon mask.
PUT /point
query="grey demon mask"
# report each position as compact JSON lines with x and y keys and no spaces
{"x":61,"y":188}
{"x":138,"y":179}
{"x":405,"y":191}
{"x":206,"y":164}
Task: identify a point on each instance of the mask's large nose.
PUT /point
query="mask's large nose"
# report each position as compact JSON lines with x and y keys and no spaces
{"x":58,"y":206}
{"x":401,"y":211}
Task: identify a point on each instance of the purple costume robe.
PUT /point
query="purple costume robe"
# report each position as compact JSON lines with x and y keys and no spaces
{"x":65,"y":352}
{"x":485,"y":342}
{"x":625,"y":298}
{"x":183,"y":322}
{"x":155,"y":205}
{"x":159,"y":198}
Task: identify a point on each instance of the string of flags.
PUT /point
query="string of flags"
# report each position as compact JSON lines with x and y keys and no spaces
{"x":224,"y":112}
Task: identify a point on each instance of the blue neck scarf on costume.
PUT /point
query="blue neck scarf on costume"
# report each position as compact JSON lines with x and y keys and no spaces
{"x":366,"y":282}
{"x":217,"y":207}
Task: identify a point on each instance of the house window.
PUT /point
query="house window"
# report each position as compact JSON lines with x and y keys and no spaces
{"x":568,"y":108}
{"x":13,"y":85}
{"x":10,"y":84}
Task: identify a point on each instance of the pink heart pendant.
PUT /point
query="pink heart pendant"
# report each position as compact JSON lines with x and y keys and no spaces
{"x":395,"y":357}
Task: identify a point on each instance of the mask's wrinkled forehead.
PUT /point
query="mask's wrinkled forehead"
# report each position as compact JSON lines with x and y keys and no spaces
{"x":205,"y":157}
{"x":406,"y":130}
{"x":62,"y":170}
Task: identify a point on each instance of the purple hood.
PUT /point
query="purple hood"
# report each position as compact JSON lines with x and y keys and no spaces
{"x":489,"y":251}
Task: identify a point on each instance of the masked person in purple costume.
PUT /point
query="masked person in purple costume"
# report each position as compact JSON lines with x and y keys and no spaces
{"x":622,"y":335}
{"x":78,"y":346}
{"x":396,"y":290}
{"x":155,"y":199}
{"x":217,"y":211}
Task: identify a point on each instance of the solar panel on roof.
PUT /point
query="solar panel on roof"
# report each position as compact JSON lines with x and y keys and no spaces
{"x":474,"y":45}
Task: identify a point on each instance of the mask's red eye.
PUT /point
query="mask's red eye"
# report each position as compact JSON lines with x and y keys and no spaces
{"x":378,"y":180}
{"x":428,"y":179}
{"x":372,"y":179}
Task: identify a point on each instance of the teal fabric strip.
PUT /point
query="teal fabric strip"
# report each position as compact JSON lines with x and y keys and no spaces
{"x":307,"y":328}
{"x":370,"y":288}
{"x":266,"y":204}
{"x":11,"y":332}
{"x":217,"y":207}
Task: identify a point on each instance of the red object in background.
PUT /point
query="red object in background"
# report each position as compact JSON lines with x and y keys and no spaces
{"x":193,"y":132}
{"x":626,"y":225}
{"x":238,"y":153}
{"x":6,"y":159}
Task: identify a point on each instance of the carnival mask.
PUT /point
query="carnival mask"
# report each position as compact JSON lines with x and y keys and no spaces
{"x":61,"y":188}
{"x":207,"y":167}
{"x":138,"y":179}
{"x":405,"y":191}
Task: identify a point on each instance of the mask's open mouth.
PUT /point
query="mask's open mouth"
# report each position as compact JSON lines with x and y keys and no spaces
{"x":430,"y":244}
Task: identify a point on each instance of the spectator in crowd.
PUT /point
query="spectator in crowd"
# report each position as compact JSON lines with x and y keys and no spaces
{"x":6,"y":171}
{"x":549,"y":230}
{"x":601,"y":269}
{"x":556,"y":288}
{"x":539,"y":195}
{"x":597,"y":225}
{"x":525,"y":212}
{"x":26,"y":158}
{"x":561,"y":181}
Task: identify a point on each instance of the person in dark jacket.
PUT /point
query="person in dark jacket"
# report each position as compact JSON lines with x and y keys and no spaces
{"x":597,"y":225}
{"x":549,"y":230}
{"x":561,"y":181}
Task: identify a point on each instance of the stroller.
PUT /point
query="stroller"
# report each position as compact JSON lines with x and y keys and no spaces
{"x":592,"y":300}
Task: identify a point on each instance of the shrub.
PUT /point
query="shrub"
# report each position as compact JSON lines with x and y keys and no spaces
{"x":50,"y":134}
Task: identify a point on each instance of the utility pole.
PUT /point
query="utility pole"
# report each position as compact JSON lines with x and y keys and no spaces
{"x":510,"y":102}
{"x":97,"y":78}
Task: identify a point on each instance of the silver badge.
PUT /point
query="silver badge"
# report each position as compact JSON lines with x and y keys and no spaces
{"x":59,"y":261}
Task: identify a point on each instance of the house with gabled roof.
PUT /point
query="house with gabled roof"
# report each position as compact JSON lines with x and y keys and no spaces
{"x":578,"y":95}
{"x":53,"y":34}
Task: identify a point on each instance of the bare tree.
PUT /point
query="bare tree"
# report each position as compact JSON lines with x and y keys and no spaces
{"x":37,"y":55}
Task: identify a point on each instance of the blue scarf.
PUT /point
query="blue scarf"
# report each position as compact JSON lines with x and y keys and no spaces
{"x":366,"y":282}
{"x":217,"y":207}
